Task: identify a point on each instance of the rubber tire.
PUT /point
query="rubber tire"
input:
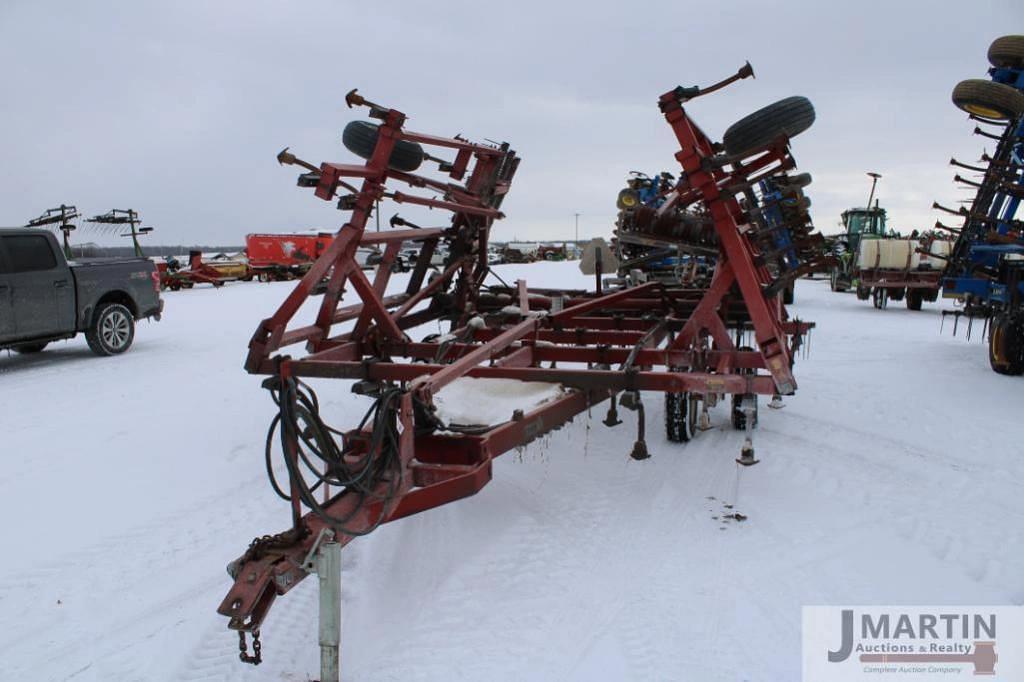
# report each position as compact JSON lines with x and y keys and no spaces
{"x":95,"y":339}
{"x":790,"y":117}
{"x":835,"y":283}
{"x":1006,"y":347}
{"x":863,"y":293}
{"x":789,"y":294}
{"x":360,"y":138}
{"x":897,"y":294}
{"x":914,"y":298}
{"x":627,"y":199}
{"x":30,"y":348}
{"x":991,"y":100}
{"x":798,"y":181}
{"x":1007,"y":52}
{"x":880,"y":298}
{"x":677,"y":421}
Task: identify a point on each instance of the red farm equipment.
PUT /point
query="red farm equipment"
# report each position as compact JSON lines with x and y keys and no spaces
{"x":611,"y":344}
{"x":199,"y":271}
{"x":277,"y":257}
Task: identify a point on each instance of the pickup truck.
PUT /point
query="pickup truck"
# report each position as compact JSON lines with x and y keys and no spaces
{"x":44,"y":297}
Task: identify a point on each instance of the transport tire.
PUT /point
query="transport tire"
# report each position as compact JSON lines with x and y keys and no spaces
{"x":988,"y":99}
{"x":789,"y":117}
{"x":628,"y":198}
{"x":798,"y":181}
{"x":29,"y":348}
{"x":914,"y":298}
{"x":1007,"y":52}
{"x":880,"y":298}
{"x":789,"y":294}
{"x":1006,"y":346}
{"x":677,"y":417}
{"x":863,"y":293}
{"x":360,"y":138}
{"x":897,"y":294}
{"x":112,"y":330}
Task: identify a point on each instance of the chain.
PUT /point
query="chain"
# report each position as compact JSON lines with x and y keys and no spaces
{"x":259,"y":546}
{"x":257,"y":648}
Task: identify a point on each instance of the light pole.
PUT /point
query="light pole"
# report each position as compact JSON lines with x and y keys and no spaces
{"x":577,"y":215}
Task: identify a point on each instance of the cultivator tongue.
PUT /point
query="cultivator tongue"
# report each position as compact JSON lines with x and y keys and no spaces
{"x":614,"y":343}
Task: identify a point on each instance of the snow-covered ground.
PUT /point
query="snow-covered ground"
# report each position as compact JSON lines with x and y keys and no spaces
{"x":892,"y":477}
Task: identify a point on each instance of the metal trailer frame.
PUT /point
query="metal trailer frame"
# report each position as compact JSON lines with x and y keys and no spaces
{"x":649,"y":337}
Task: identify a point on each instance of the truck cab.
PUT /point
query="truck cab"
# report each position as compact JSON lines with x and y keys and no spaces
{"x":37,"y":295}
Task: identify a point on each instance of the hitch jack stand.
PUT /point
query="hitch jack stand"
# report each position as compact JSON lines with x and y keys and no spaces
{"x":324,"y":559}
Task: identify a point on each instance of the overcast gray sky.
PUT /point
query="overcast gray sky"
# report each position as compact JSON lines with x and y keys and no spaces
{"x":177,"y":109}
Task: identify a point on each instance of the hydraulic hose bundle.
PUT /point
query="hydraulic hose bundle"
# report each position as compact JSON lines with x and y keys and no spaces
{"x":326,"y":456}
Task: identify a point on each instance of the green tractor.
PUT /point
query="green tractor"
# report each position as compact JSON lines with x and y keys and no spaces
{"x":858,"y":224}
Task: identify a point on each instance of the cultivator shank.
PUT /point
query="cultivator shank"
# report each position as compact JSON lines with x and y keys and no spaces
{"x":593,"y":346}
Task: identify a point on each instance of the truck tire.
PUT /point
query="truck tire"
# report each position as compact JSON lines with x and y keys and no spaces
{"x":29,"y":348}
{"x":789,"y":294}
{"x":863,"y":293}
{"x":112,"y":330}
{"x":789,"y":117}
{"x":360,"y":138}
{"x":914,"y":298}
{"x":988,"y":99}
{"x":1007,"y":52}
{"x":1006,"y":346}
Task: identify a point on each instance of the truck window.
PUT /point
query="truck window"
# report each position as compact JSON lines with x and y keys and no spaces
{"x":28,"y":253}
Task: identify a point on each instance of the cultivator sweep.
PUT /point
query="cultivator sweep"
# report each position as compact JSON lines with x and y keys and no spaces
{"x":614,"y":343}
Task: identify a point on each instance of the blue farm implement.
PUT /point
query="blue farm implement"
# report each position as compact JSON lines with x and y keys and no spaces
{"x":985,"y":272}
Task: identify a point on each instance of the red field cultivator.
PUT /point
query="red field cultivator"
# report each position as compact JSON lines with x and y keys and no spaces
{"x":595,"y":346}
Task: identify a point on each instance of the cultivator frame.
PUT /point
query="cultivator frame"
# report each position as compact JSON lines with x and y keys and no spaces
{"x":595,"y":345}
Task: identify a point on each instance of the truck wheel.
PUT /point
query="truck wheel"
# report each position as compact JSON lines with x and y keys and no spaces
{"x":880,"y":298}
{"x":914,"y":299}
{"x":789,"y":117}
{"x":789,"y":294}
{"x":360,"y":138}
{"x":1007,"y":52}
{"x":28,"y":348}
{"x":988,"y":99}
{"x":1006,"y":347}
{"x":112,"y":330}
{"x":863,"y":293}
{"x":677,"y":418}
{"x":897,"y":294}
